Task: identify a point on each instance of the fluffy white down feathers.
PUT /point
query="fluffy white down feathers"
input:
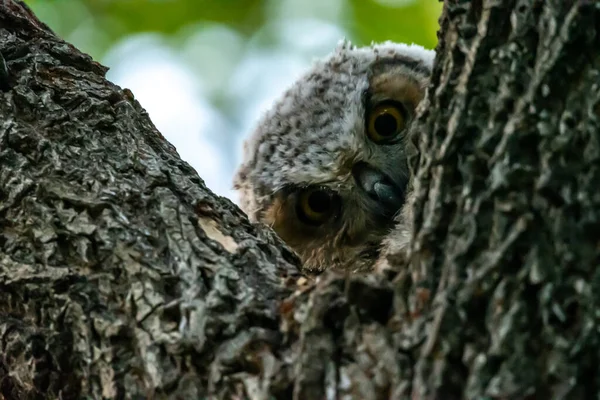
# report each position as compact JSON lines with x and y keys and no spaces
{"x":316,"y":135}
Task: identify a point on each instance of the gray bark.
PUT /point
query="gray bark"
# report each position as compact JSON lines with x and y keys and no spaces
{"x":123,"y":276}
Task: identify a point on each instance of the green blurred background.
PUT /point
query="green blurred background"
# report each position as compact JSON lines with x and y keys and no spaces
{"x":205,"y":70}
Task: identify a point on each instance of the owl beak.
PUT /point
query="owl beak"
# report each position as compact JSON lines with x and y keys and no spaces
{"x":388,"y":195}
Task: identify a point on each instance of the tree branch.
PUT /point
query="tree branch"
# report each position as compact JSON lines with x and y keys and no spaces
{"x":121,"y":274}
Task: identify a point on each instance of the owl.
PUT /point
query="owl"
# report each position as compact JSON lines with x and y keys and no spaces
{"x":326,"y":166}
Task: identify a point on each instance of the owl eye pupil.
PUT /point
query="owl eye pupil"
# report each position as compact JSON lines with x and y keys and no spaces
{"x":316,"y":205}
{"x":385,"y":122}
{"x":386,"y":125}
{"x":319,"y":201}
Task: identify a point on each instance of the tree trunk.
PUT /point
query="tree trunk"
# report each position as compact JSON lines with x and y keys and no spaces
{"x":123,"y":276}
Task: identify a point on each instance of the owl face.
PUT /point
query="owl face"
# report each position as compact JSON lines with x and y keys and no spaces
{"x":327,"y":165}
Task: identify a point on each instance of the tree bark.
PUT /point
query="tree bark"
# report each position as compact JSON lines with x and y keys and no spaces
{"x":508,"y":245}
{"x":123,"y":276}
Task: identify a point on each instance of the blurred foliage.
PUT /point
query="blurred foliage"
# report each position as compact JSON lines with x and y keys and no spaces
{"x":94,"y":25}
{"x":206,"y":69}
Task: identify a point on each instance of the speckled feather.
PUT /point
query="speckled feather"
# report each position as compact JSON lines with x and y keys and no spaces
{"x":314,"y":133}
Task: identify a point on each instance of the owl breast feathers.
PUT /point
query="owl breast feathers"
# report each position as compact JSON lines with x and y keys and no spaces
{"x":326,"y":166}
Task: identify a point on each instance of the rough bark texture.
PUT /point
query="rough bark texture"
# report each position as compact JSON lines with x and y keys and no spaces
{"x":122,"y":276}
{"x":508,"y":204}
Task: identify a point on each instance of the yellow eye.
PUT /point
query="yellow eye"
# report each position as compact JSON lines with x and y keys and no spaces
{"x":316,"y":206}
{"x":386,"y":121}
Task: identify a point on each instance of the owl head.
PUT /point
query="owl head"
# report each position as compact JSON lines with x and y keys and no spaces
{"x":326,"y":167}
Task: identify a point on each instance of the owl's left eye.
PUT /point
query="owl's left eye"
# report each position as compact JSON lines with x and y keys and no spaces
{"x":385,"y":122}
{"x":315,"y":206}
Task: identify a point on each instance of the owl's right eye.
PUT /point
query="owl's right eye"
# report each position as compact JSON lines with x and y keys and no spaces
{"x":315,"y":206}
{"x":385,"y":122}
